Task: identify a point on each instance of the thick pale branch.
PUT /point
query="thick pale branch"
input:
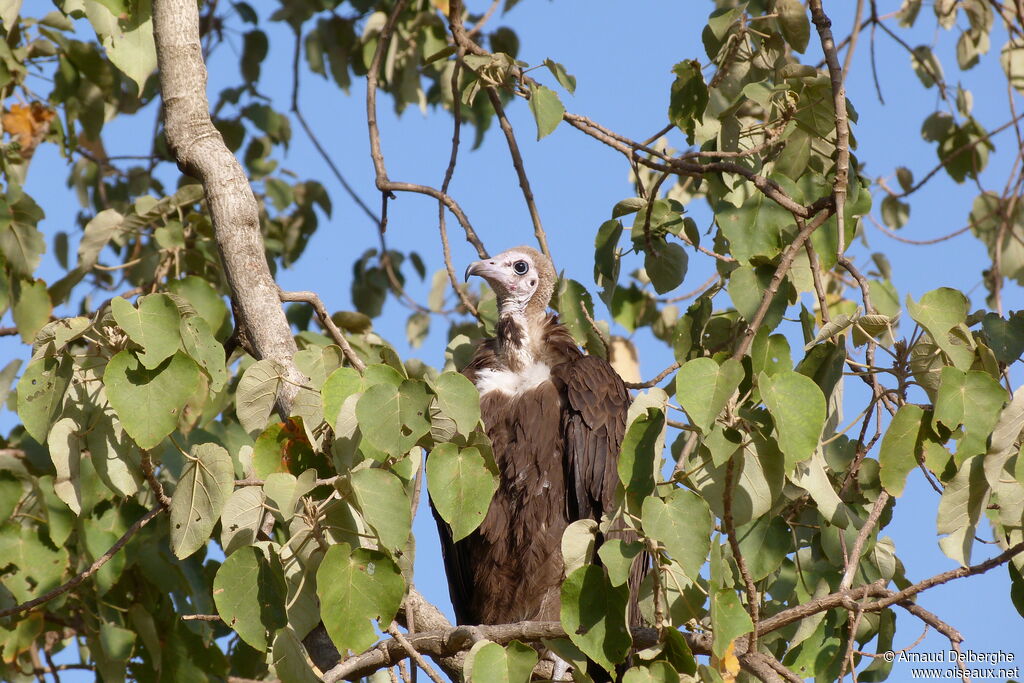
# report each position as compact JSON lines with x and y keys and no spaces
{"x":447,"y":642}
{"x":201,"y":153}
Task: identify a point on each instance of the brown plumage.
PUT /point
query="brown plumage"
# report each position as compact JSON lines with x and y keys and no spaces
{"x":556,"y":419}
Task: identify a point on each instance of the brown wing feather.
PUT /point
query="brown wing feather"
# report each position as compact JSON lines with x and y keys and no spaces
{"x":594,"y":424}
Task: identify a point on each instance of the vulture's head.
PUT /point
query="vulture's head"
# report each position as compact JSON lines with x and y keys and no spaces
{"x":522,"y":278}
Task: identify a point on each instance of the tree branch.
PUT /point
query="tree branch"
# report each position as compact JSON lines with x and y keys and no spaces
{"x":201,"y":153}
{"x":93,"y":568}
{"x":325,"y":320}
{"x":835,"y":72}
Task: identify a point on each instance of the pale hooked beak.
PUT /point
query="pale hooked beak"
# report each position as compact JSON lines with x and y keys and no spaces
{"x":485,"y":269}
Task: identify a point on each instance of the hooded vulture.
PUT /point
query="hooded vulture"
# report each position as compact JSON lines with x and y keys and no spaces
{"x":555,"y":418}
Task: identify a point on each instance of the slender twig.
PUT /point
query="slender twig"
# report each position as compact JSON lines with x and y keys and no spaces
{"x":657,"y":378}
{"x":384,"y":184}
{"x":819,"y":290}
{"x":907,"y":240}
{"x":484,"y":19}
{"x":938,"y":579}
{"x":325,"y":319}
{"x":785,"y":263}
{"x":753,"y":602}
{"x":93,"y":568}
{"x":858,"y":546}
{"x":449,"y":172}
{"x":201,"y":617}
{"x":154,"y":483}
{"x":824,"y":26}
{"x":416,"y":656}
{"x":854,"y":35}
{"x":316,"y":141}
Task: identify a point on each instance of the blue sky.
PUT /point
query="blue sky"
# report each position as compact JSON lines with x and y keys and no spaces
{"x":621,"y":55}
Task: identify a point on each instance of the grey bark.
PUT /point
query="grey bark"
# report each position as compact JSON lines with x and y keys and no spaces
{"x":201,"y":153}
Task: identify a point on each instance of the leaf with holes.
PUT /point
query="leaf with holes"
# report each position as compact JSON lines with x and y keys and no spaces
{"x":250,"y":594}
{"x":594,"y":616}
{"x":148,"y":402}
{"x":199,"y":498}
{"x":356,"y":588}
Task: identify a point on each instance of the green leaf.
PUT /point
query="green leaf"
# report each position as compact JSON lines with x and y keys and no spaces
{"x":617,"y":557}
{"x":65,"y":445}
{"x":459,"y":400}
{"x":689,"y":97}
{"x":356,"y":587}
{"x":290,"y":660}
{"x":895,"y":213}
{"x":31,"y":308}
{"x":547,"y":109}
{"x":148,"y":402}
{"x":204,"y":298}
{"x":250,"y":594}
{"x":974,"y":400}
{"x":257,"y":392}
{"x":572,"y":299}
{"x":683,"y":524}
{"x":461,"y":486}
{"x":764,"y":543}
{"x":98,"y":233}
{"x":758,"y":227}
{"x":203,"y":348}
{"x":641,"y":456}
{"x":283,"y":491}
{"x":127,"y":38}
{"x":241,"y":518}
{"x":746,"y":288}
{"x":798,"y":408}
{"x":594,"y":616}
{"x":898,"y":455}
{"x":728,"y":619}
{"x":11,"y":491}
{"x":566,"y":80}
{"x":492,"y":662}
{"x":1011,"y":57}
{"x":703,"y":388}
{"x":394,"y":418}
{"x":153,"y":326}
{"x":339,"y":385}
{"x":1005,"y":337}
{"x":385,"y":505}
{"x":20,"y":243}
{"x":198,"y":500}
{"x":941,"y":311}
{"x":793,"y":23}
{"x":666,"y":267}
{"x":961,"y":507}
{"x":655,"y":672}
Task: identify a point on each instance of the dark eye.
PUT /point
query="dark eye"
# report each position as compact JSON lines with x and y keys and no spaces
{"x":521,"y":267}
